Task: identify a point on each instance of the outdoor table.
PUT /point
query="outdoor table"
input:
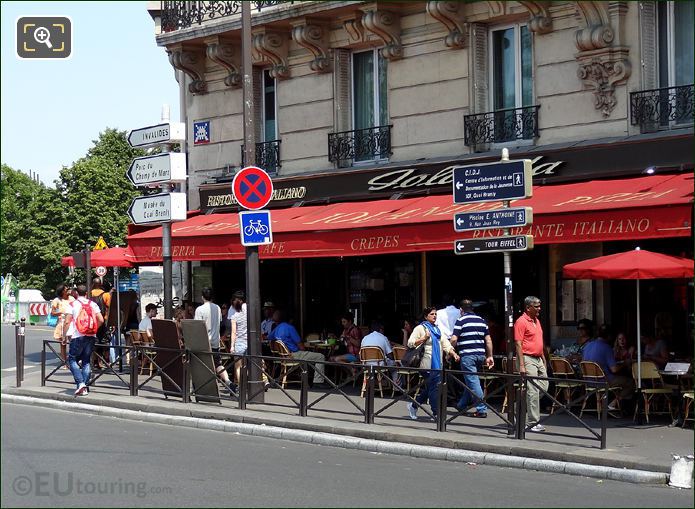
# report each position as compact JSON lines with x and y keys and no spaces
{"x":682,"y":378}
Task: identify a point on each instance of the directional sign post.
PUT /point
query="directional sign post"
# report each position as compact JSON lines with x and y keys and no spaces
{"x":157,"y":169}
{"x":255,"y":228}
{"x":157,"y":134}
{"x":158,"y":208}
{"x":252,"y":187}
{"x":504,"y":218}
{"x":493,"y":181}
{"x":494,"y":244}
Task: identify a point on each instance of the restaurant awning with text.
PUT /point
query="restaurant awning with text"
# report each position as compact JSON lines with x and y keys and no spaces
{"x":657,"y":206}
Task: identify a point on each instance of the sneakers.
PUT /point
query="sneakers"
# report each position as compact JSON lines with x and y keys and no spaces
{"x":613,"y":407}
{"x":412,"y":411}
{"x":81,"y":390}
{"x":538,"y":428}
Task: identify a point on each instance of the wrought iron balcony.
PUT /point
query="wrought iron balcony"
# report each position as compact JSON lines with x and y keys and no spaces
{"x":663,"y":108}
{"x":501,"y":126}
{"x":177,"y":14}
{"x":359,"y":145}
{"x":267,"y":156}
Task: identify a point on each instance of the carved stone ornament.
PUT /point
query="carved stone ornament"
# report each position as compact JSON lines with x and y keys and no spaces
{"x":354,"y":28}
{"x":273,"y":46}
{"x":450,"y":14}
{"x":600,"y":71}
{"x":225,"y":54}
{"x":313,"y":36}
{"x":190,"y":60}
{"x":386,"y":25}
{"x":541,"y":22}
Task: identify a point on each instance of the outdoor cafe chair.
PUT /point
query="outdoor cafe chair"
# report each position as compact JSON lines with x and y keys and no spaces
{"x":375,"y":356}
{"x":653,"y":388}
{"x":516,"y":384}
{"x":592,"y":372}
{"x":141,"y":339}
{"x":398,"y":353}
{"x":563,"y":369}
{"x":286,"y":361}
{"x":688,"y":398}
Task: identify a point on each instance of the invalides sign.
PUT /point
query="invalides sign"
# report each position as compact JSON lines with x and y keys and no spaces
{"x":157,"y":134}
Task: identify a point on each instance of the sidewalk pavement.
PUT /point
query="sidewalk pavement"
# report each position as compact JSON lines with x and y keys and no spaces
{"x":635,"y":453}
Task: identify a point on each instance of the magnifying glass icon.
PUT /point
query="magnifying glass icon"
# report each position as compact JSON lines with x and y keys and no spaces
{"x":43,"y":36}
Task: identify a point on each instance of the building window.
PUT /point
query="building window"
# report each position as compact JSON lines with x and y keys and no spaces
{"x":511,"y":68}
{"x":369,"y":106}
{"x":675,"y":36}
{"x":269,"y":130}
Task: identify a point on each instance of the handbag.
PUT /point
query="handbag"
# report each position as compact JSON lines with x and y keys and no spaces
{"x":413,"y":356}
{"x":52,"y":320}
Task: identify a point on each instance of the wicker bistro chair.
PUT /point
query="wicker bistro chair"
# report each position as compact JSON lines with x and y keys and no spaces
{"x":592,"y":372}
{"x":688,"y":398}
{"x":375,"y":356}
{"x":653,"y":388}
{"x":398,"y":353}
{"x":141,"y":339}
{"x":286,"y":361}
{"x":563,"y":369}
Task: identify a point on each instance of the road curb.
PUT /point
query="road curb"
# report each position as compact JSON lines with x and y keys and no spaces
{"x":351,"y":442}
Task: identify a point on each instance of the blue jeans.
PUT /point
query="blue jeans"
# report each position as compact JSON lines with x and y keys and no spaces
{"x":471,"y":364}
{"x":81,"y":350}
{"x":430,"y":390}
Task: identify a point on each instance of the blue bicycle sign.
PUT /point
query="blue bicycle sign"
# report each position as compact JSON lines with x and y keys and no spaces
{"x":254,"y":227}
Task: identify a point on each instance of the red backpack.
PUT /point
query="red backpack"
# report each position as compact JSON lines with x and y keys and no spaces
{"x":86,"y":321}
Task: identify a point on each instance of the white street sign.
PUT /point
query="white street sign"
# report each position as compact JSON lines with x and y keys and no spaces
{"x":100,"y":270}
{"x":158,"y":208}
{"x":157,"y":169}
{"x":157,"y":134}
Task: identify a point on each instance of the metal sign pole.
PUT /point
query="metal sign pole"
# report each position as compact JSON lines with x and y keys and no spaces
{"x":119,"y":354}
{"x":166,"y":240}
{"x":253,"y":302}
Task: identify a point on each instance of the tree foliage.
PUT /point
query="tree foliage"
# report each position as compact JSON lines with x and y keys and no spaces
{"x":40,"y":224}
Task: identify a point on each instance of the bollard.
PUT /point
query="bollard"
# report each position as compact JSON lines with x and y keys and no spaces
{"x":43,"y":365}
{"x":369,"y":397}
{"x":242,"y":388}
{"x":186,"y":389}
{"x":134,"y":372}
{"x":681,"y":472}
{"x":521,"y":408}
{"x":22,"y":343}
{"x":442,"y":395}
{"x":304,"y":393}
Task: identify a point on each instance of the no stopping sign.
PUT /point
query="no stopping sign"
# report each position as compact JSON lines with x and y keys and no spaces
{"x":252,"y":188}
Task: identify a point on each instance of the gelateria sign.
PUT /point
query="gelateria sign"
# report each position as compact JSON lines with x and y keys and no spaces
{"x":571,"y":163}
{"x":373,"y":184}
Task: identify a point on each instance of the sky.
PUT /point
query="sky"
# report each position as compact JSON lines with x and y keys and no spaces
{"x":116,"y":77}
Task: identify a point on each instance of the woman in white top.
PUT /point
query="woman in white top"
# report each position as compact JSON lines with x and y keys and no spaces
{"x":61,"y":306}
{"x":239,"y":334}
{"x":435,"y":347}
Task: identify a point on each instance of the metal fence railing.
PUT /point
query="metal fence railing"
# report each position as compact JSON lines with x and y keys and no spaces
{"x":338,"y":377}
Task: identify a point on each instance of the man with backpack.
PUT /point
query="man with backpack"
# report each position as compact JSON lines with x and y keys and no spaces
{"x":102,"y":299}
{"x":84,"y":322}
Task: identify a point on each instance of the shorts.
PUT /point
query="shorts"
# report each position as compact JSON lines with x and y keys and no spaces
{"x":216,"y":357}
{"x":351,"y":357}
{"x":240,"y":347}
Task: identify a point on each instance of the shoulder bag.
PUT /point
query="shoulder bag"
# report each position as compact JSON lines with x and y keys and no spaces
{"x":413,"y":356}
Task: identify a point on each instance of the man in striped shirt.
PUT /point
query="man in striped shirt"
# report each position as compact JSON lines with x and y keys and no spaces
{"x":472,"y":341}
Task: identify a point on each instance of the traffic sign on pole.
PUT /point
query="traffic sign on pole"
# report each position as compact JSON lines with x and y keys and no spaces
{"x":158,"y":208}
{"x":503,"y":218}
{"x":493,"y":181}
{"x":494,"y":244}
{"x":255,"y":228}
{"x":252,"y":188}
{"x":170,"y":132}
{"x":101,"y":244}
{"x":157,"y":169}
{"x":100,"y":270}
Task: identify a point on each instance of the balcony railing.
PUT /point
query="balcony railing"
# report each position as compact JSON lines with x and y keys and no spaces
{"x":267,"y":156}
{"x":501,"y":126}
{"x":359,"y":145}
{"x":663,"y":108}
{"x":177,"y":14}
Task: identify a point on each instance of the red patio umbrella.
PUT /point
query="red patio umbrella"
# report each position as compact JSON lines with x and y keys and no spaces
{"x":110,"y":257}
{"x":637,"y":264}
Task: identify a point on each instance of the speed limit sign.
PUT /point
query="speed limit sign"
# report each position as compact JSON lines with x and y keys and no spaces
{"x":101,"y":271}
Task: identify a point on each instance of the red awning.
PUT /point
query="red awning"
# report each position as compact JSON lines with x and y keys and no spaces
{"x":110,"y":257}
{"x":657,"y":206}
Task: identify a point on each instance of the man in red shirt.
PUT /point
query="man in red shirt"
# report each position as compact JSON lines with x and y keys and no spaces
{"x":528,"y":338}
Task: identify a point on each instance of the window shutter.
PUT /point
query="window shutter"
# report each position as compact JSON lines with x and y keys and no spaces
{"x":341,"y":89}
{"x":648,"y":49}
{"x":258,"y":104}
{"x":479,"y":69}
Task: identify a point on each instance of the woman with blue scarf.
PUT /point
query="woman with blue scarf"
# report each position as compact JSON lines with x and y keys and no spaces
{"x":427,"y":332}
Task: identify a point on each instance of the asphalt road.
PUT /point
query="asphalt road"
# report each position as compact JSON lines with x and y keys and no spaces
{"x":63,"y":459}
{"x":34,"y":334}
